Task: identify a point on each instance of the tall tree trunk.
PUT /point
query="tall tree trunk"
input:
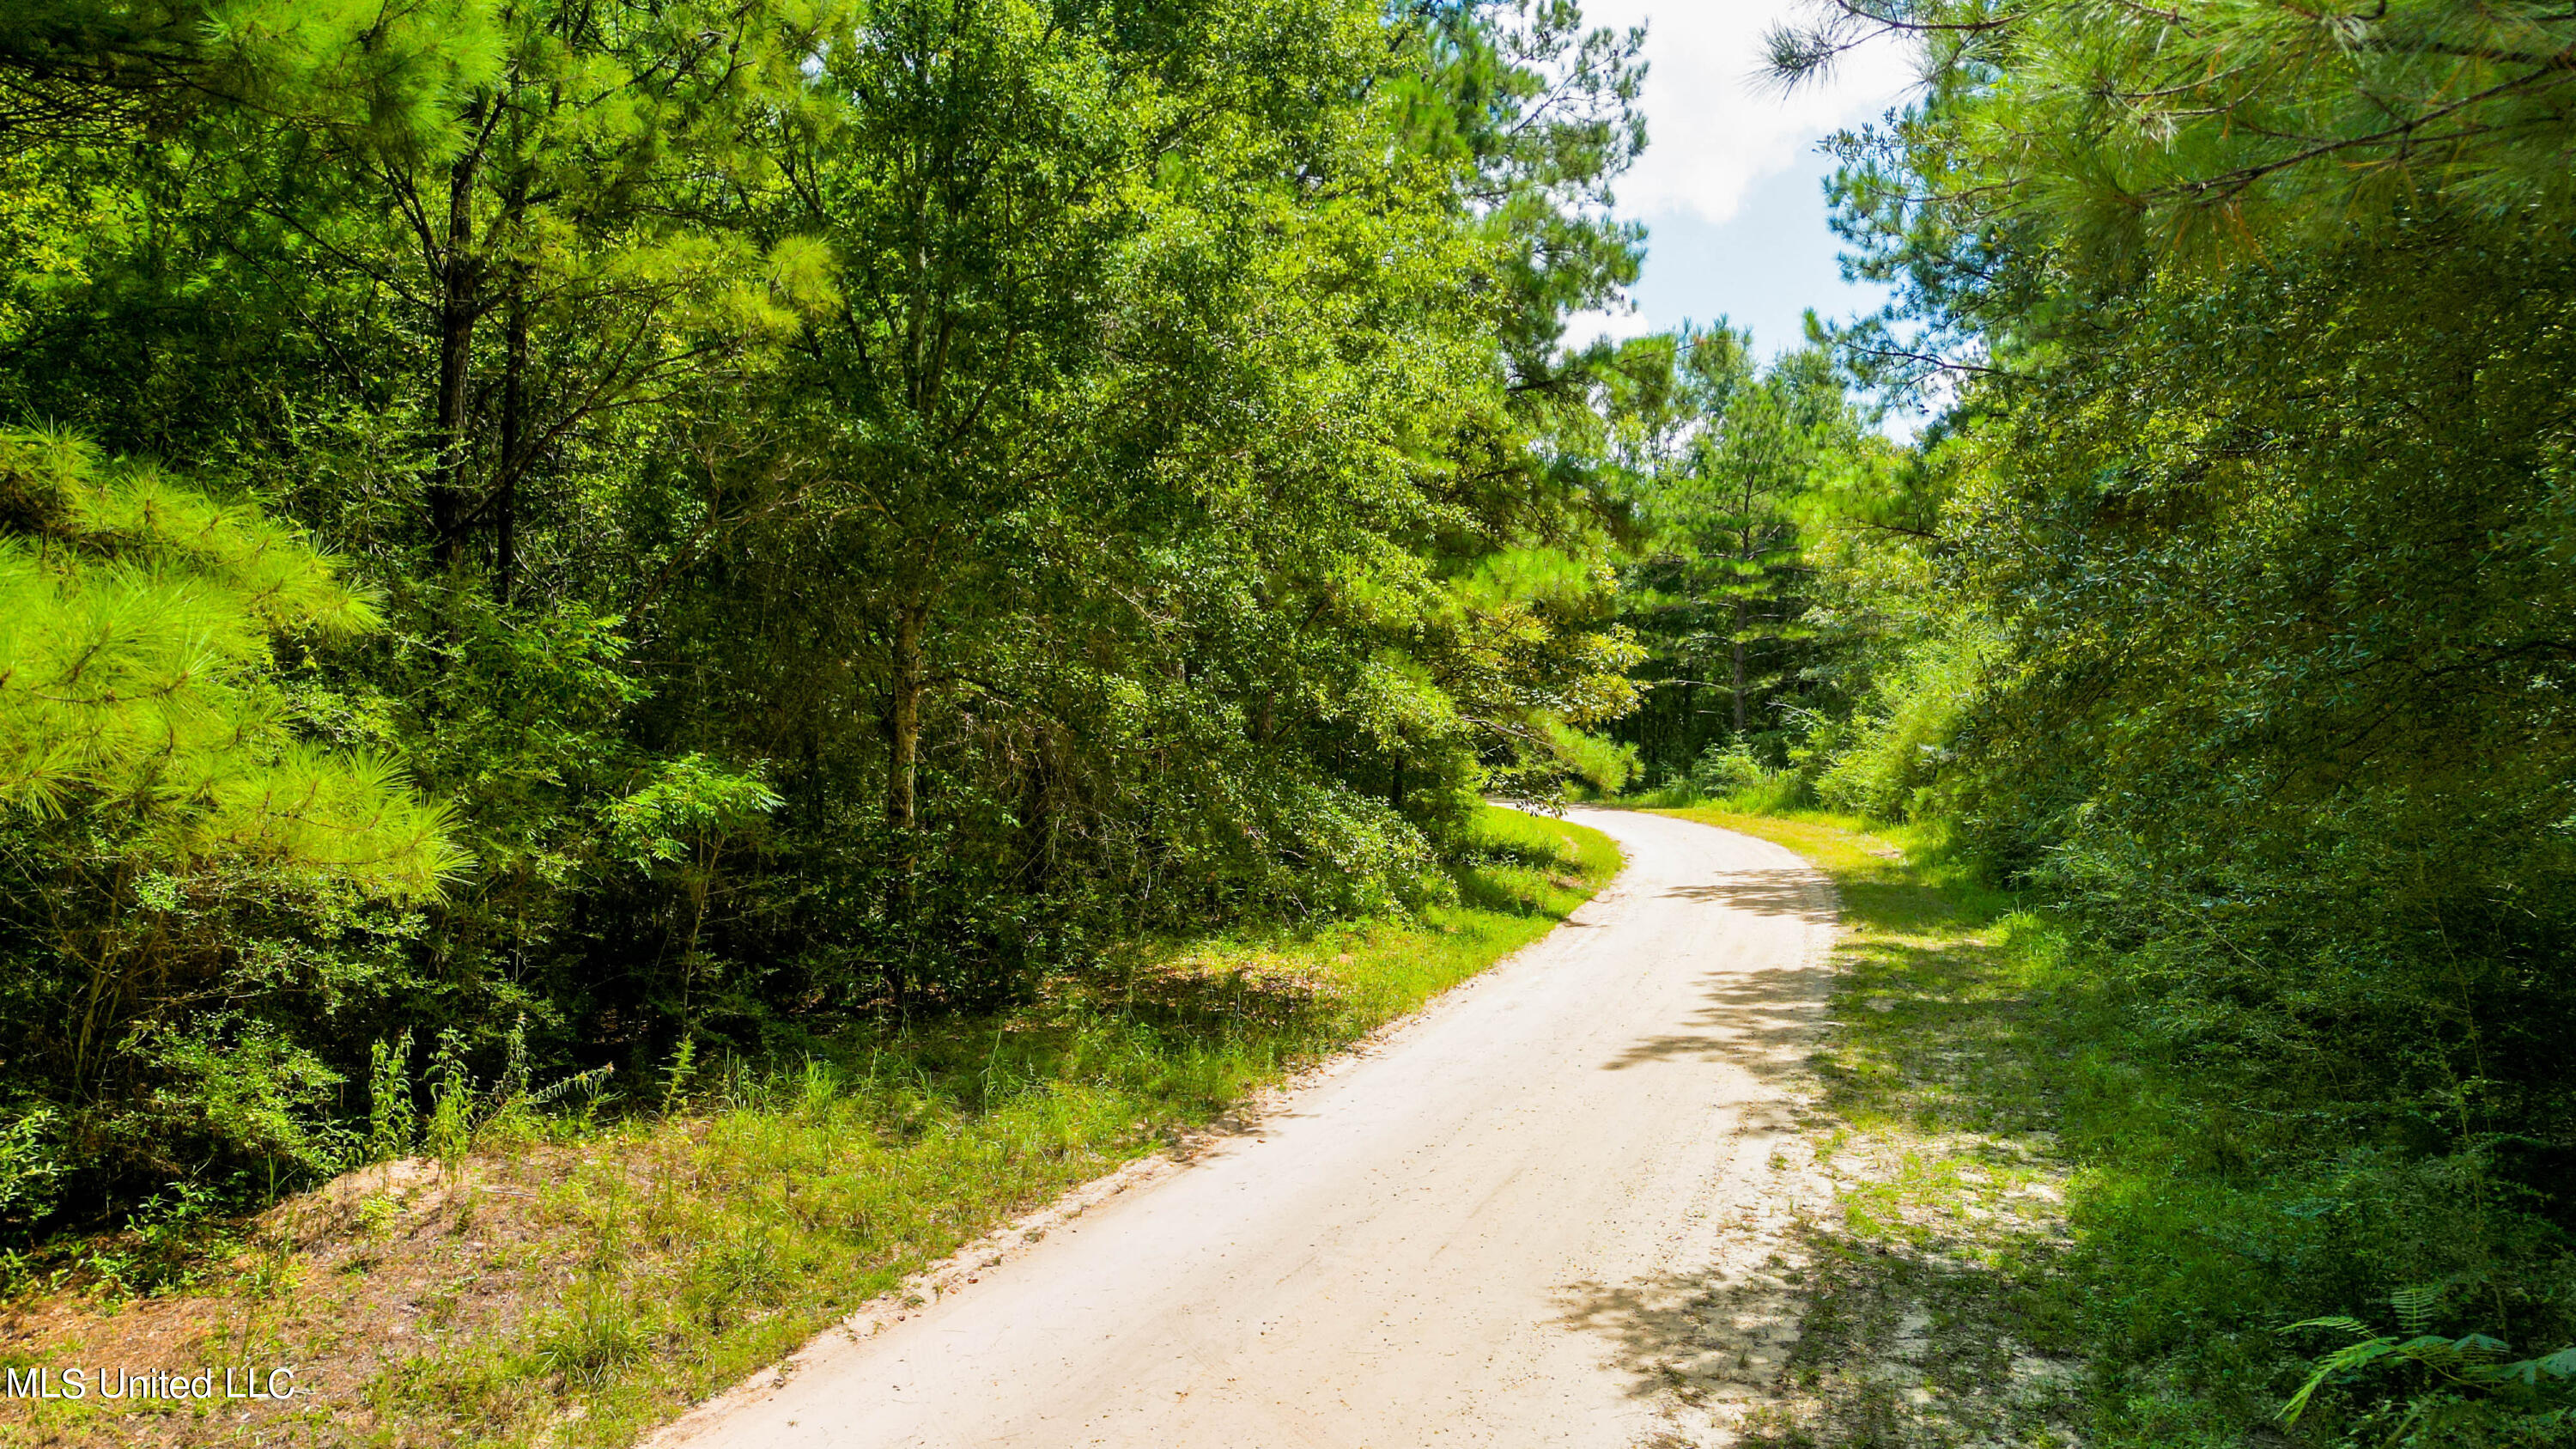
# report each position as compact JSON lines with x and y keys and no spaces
{"x":1739,"y":669}
{"x":505,"y":505}
{"x":1689,"y":725}
{"x":903,"y":717}
{"x":457,"y":284}
{"x":1037,"y":813}
{"x":1395,"y":784}
{"x":903,"y":753}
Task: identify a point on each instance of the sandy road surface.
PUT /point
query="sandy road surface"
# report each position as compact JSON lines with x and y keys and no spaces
{"x":1533,"y":1216}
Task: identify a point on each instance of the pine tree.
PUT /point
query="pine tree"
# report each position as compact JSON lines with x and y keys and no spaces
{"x":136,"y":616}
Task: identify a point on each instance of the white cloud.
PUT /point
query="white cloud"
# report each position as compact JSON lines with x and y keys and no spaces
{"x":1715,"y":126}
{"x":1582,"y":329}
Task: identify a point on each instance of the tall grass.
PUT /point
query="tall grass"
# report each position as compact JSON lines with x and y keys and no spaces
{"x":773,"y":1199}
{"x":1777,"y":793}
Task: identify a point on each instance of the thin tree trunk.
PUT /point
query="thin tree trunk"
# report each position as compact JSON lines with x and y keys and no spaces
{"x":1739,"y":669}
{"x":109,"y":988}
{"x":903,"y":751}
{"x":1688,"y":728}
{"x":456,"y":313}
{"x":1395,"y":784}
{"x":1039,"y":813}
{"x":903,"y":720}
{"x":505,"y":506}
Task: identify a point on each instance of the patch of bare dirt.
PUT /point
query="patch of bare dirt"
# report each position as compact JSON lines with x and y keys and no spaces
{"x":1934,"y":1312}
{"x":340,"y":1284}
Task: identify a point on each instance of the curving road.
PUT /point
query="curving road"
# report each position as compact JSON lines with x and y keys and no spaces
{"x":1536,"y":1215}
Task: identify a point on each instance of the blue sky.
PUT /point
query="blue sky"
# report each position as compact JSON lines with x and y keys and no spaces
{"x":1730,"y":187}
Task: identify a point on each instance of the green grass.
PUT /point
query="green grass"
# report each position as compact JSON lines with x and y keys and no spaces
{"x":1783,"y":794}
{"x":723,"y":1242}
{"x":2033,"y":1162}
{"x":1940,"y":1310}
{"x":672,"y":1255}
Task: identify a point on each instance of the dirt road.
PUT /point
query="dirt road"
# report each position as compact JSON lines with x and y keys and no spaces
{"x":1539,"y":1214}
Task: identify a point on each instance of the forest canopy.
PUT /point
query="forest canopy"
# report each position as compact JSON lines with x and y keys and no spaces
{"x":574,"y":528}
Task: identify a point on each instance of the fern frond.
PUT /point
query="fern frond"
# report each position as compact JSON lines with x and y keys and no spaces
{"x":2530,"y":1371}
{"x":2348,"y":1359}
{"x":2415,"y":1307}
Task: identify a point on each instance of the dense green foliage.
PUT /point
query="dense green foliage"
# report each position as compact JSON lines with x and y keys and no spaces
{"x":1743,"y":475}
{"x":835,"y":509}
{"x":164,"y":817}
{"x":707,"y":523}
{"x":2223,"y":610}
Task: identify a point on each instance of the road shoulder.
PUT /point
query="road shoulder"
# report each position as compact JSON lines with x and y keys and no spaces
{"x":1926,"y":1255}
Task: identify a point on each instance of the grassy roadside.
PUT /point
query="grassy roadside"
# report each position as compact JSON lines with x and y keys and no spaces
{"x":1940,"y":1308}
{"x":2056,"y":1221}
{"x":576,"y":1287}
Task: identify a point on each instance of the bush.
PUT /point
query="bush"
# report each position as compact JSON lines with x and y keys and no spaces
{"x":1889,"y":753}
{"x":169,"y":840}
{"x":1724,"y":768}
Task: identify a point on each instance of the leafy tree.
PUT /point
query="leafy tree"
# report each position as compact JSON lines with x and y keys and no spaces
{"x":1739,"y":466}
{"x":1539,"y":114}
{"x":2248,"y":539}
{"x":2167,"y":136}
{"x":148,"y":759}
{"x":139,"y":620}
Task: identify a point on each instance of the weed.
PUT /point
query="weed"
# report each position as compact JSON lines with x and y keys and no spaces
{"x":272,"y":1271}
{"x":376,"y":1215}
{"x":393,"y":1119}
{"x":661,"y":1257}
{"x":599,"y":1336}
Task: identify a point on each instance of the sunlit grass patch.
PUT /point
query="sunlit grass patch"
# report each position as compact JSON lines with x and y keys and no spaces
{"x":1939,"y":1310}
{"x":579,"y":1289}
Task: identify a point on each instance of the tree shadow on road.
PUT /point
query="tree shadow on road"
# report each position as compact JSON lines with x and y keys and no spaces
{"x":1775,"y":892}
{"x":1917,"y":1296}
{"x":1763,"y":1021}
{"x":1708,"y":1345}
